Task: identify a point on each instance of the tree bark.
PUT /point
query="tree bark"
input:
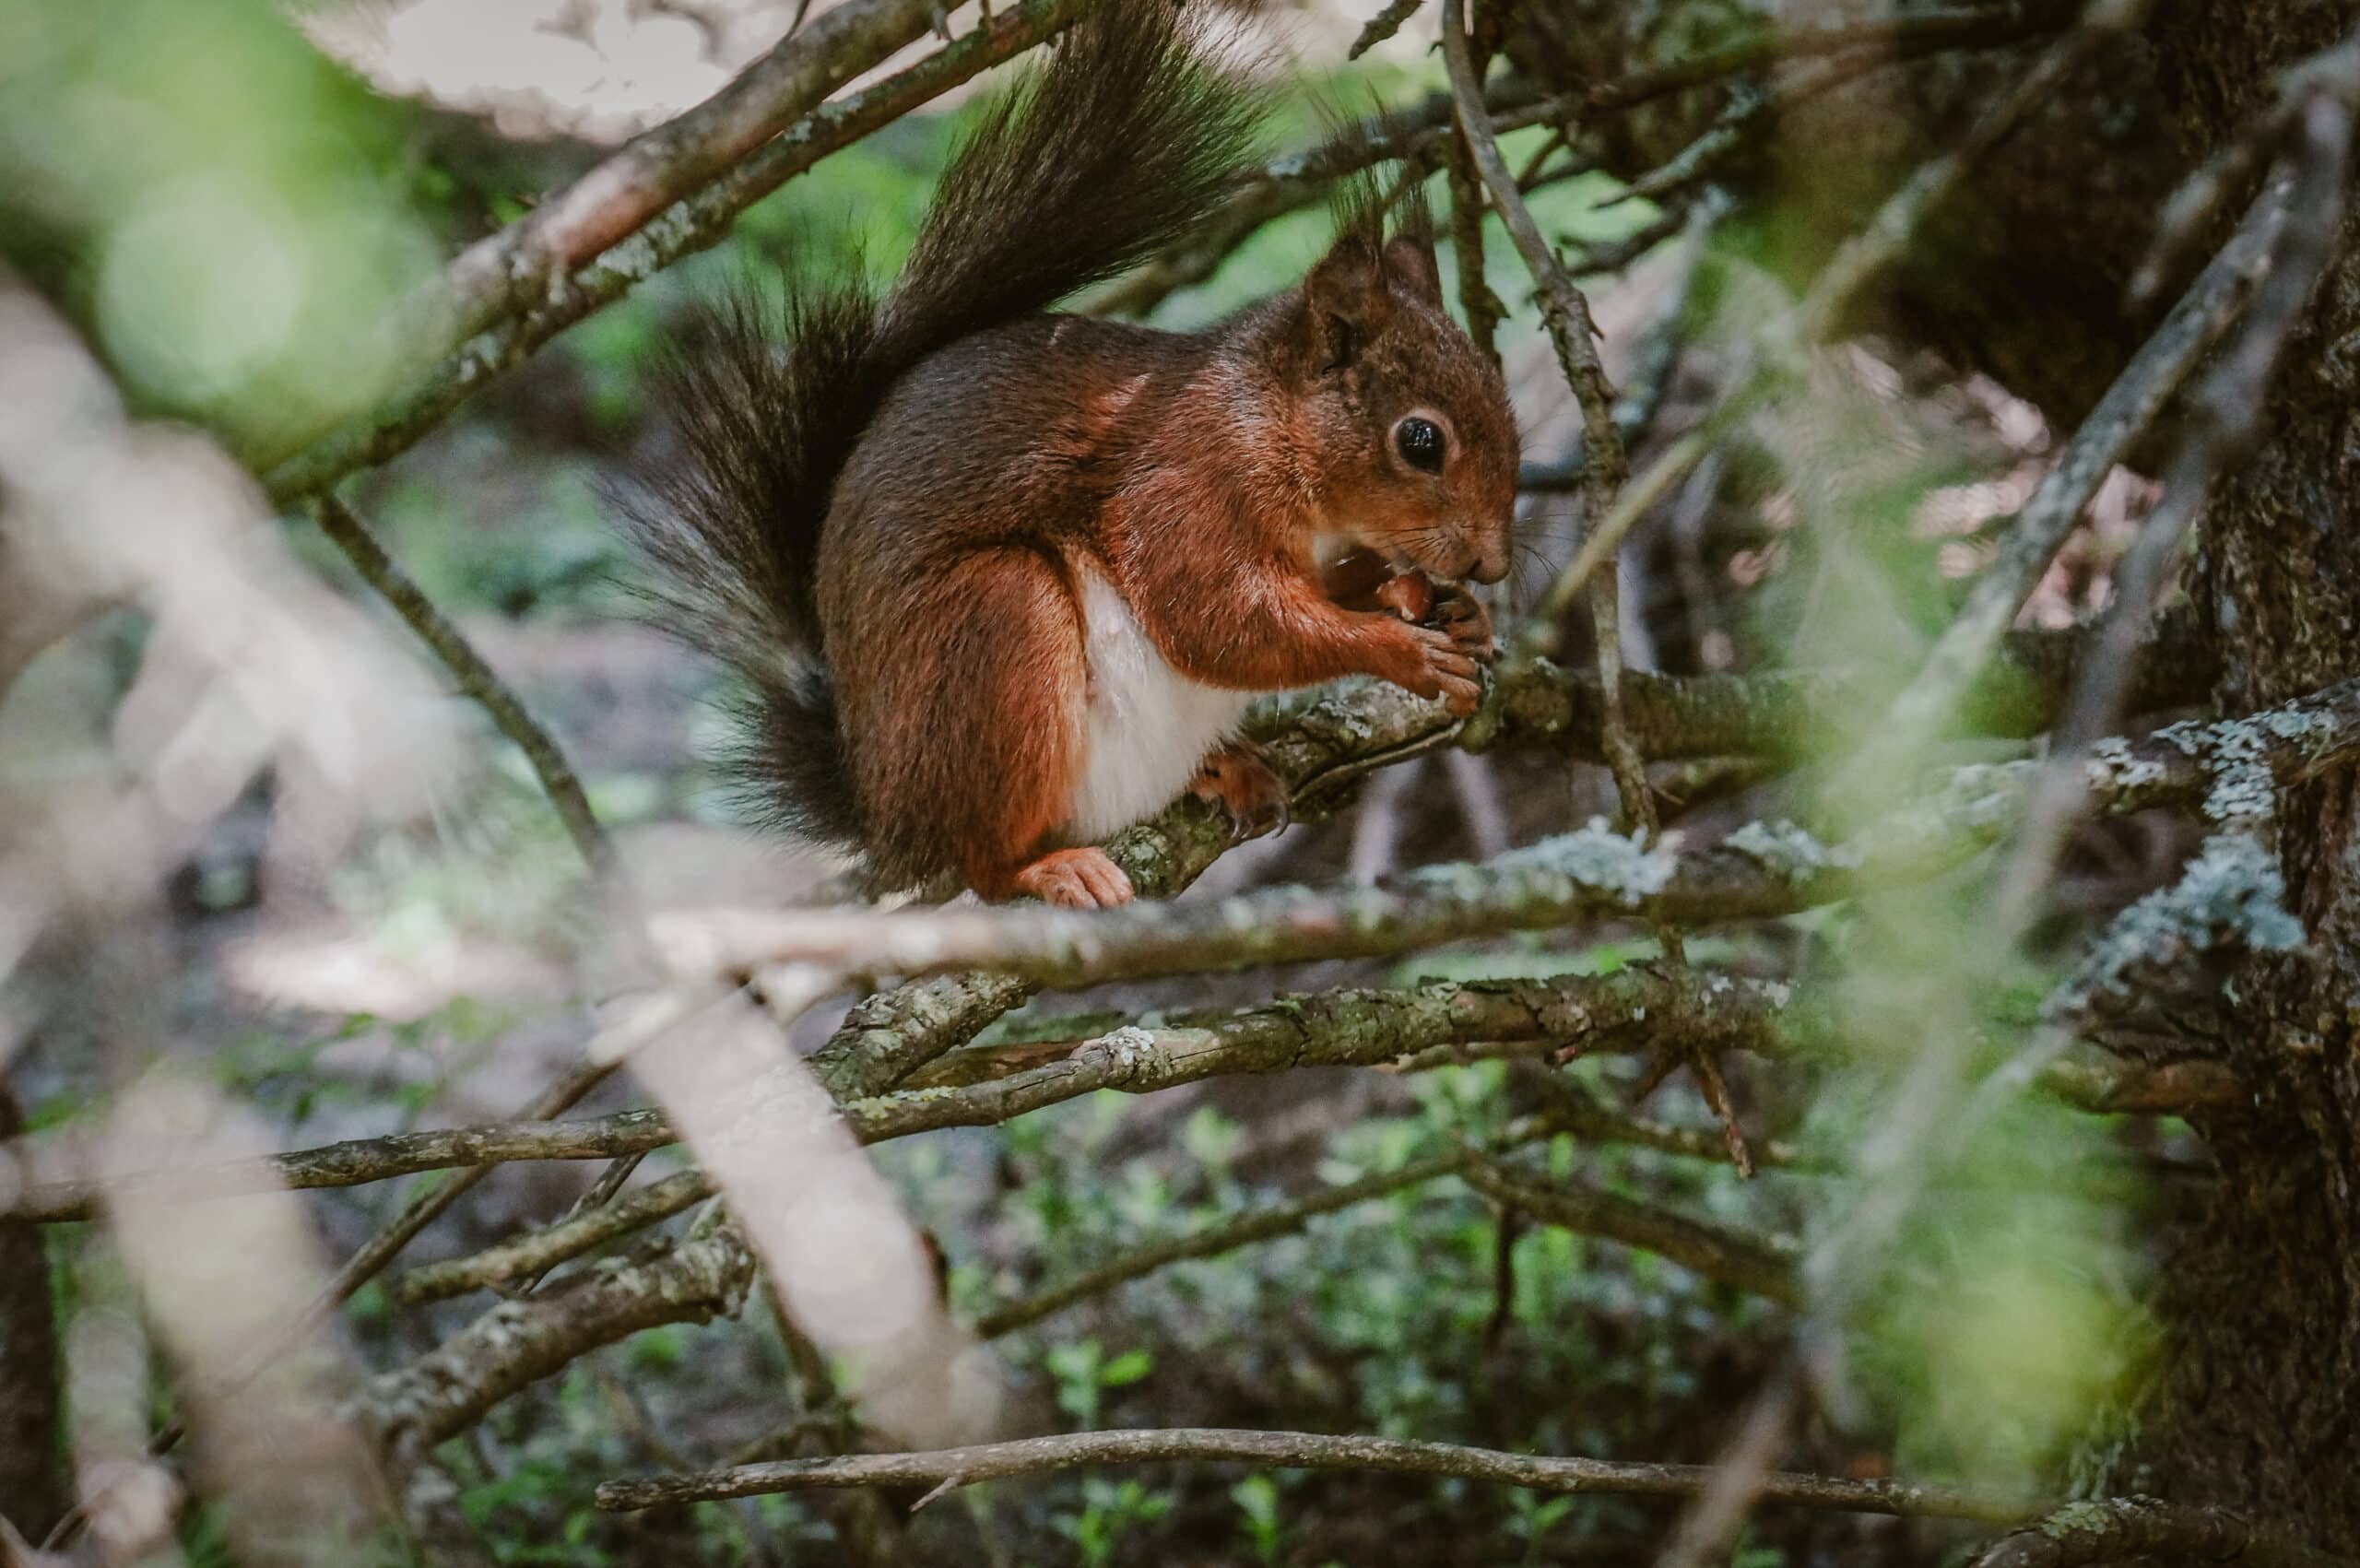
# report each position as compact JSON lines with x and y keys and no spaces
{"x":2251,"y":1405}
{"x":2254,"y":1405}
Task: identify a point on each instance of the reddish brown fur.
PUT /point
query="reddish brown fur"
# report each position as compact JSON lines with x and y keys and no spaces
{"x":1197,"y":474}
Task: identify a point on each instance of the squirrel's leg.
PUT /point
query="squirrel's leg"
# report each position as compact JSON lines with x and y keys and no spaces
{"x":1007,"y":715}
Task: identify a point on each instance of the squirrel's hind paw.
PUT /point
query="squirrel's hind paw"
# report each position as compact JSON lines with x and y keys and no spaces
{"x":1075,"y":878}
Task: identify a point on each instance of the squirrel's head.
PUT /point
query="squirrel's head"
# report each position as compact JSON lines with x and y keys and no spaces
{"x":1408,"y":423}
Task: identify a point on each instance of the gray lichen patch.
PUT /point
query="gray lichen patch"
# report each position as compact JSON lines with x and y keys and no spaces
{"x":2238,"y":752}
{"x":1789,"y":852}
{"x":2114,"y":766}
{"x":2233,"y":891}
{"x":1622,"y":865}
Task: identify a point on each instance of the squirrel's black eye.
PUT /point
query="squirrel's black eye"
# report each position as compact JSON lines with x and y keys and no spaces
{"x":1420,"y":443}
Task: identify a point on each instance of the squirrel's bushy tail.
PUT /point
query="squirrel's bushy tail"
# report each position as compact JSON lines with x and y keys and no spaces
{"x":1118,"y":147}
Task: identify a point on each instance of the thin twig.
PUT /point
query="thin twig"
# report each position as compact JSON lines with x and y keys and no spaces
{"x":1291,"y":1450}
{"x":1903,"y":34}
{"x":474,"y":675}
{"x":1259,"y":1225}
{"x":1759,"y":1266}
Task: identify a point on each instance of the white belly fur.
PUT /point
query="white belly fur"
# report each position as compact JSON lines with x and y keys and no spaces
{"x":1148,"y":726}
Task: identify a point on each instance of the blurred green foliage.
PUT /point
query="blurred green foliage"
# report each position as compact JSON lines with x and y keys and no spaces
{"x":229,"y":208}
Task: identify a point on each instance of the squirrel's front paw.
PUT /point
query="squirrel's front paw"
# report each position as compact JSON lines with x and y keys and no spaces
{"x":1447,"y":608}
{"x":1457,"y":613}
{"x":1237,"y":779}
{"x":1075,"y":878}
{"x":1444,"y":670}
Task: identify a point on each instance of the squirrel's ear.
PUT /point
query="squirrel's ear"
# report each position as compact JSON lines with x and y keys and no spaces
{"x":1344,"y":300}
{"x":1409,"y":262}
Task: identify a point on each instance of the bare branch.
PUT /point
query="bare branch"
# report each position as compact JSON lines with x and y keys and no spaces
{"x":2226,"y":418}
{"x":1259,"y":1225}
{"x":1296,"y":179}
{"x":476,"y":677}
{"x":1290,"y":1450}
{"x":358,"y":1160}
{"x":1900,"y":34}
{"x":1761,"y":1266}
{"x":537,"y":1252}
{"x":1860,"y":260}
{"x":652,"y":171}
{"x":1382,"y":26}
{"x":1412,"y":1030}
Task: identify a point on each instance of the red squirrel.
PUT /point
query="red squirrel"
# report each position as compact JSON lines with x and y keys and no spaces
{"x":1001,"y":582}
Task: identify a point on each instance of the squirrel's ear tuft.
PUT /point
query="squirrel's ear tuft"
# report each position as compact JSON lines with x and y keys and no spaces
{"x":1410,"y":263}
{"x":1410,"y":254}
{"x":1344,"y":300}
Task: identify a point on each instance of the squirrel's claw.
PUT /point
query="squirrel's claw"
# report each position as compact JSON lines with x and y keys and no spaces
{"x":1237,"y":779}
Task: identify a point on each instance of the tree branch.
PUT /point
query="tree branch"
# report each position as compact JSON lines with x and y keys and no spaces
{"x":1859,"y":259}
{"x":1289,"y":1450}
{"x":1410,"y":1030}
{"x":2129,"y":407}
{"x":686,"y":226}
{"x":2120,"y":1529}
{"x":537,"y":1252}
{"x":518,"y":1343}
{"x":1760,"y":1267}
{"x":659,"y":167}
{"x":474,"y":675}
{"x":358,"y":1160}
{"x":1257,"y":1225}
{"x":1761,"y":871}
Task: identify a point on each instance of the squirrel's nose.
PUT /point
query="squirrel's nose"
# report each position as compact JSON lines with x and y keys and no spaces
{"x":1491,"y":563}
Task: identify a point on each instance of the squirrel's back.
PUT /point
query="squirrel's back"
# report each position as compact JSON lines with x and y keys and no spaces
{"x":1118,"y":147}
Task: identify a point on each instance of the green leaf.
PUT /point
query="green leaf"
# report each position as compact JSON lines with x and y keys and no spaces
{"x":1125,"y":1369}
